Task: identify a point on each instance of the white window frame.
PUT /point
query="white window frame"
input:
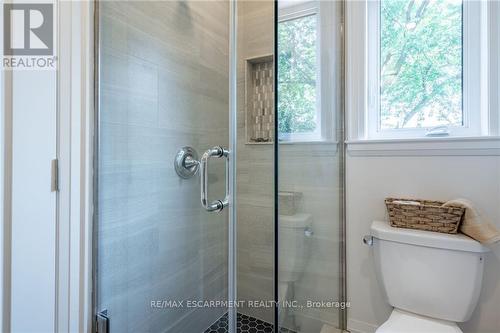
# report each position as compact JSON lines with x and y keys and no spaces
{"x":325,"y":41}
{"x":362,"y":73}
{"x":494,"y":68}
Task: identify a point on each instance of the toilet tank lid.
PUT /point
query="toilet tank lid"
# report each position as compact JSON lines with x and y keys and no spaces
{"x":460,"y":242}
{"x":300,"y":220}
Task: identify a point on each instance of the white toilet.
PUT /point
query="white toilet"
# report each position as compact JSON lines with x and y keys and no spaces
{"x":431,"y":279}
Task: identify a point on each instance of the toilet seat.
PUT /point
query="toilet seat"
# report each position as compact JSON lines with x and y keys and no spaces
{"x":405,"y":322}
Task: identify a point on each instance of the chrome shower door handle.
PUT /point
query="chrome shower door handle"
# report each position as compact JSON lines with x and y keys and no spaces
{"x":217,"y":205}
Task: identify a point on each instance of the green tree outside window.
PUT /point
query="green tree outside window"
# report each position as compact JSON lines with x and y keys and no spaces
{"x":421,"y":63}
{"x":297,"y":75}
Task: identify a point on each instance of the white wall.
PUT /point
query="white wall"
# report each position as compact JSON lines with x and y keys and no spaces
{"x":33,"y":204}
{"x":371,"y":179}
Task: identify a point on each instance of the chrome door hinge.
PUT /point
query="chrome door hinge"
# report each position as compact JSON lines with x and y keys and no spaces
{"x":102,"y":322}
{"x":54,"y":181}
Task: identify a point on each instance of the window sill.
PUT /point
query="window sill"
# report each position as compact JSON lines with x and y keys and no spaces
{"x":308,"y":148}
{"x":295,"y":142}
{"x":308,"y":142}
{"x":454,"y":146}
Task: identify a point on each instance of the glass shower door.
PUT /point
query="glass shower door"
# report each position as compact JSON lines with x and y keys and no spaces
{"x":311,"y":260}
{"x":161,"y":260}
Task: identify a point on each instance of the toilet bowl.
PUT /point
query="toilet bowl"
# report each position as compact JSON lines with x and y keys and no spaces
{"x":294,"y":245}
{"x":329,"y":329}
{"x":431,"y":279}
{"x":294,"y":250}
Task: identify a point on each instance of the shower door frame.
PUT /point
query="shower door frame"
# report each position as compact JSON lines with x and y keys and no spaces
{"x":232,"y":215}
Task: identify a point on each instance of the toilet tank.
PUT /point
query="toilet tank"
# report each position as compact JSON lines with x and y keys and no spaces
{"x":428,"y":273}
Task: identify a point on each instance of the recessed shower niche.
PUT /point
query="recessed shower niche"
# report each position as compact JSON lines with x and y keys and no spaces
{"x":259,"y":91}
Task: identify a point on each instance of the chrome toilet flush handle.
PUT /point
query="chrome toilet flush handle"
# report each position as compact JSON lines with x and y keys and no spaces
{"x":368,"y":240}
{"x":216,"y":205}
{"x":308,"y":232}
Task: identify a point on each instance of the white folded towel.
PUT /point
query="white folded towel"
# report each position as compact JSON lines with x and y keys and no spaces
{"x":474,"y":224}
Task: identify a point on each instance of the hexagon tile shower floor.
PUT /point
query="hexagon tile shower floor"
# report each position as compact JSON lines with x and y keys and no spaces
{"x":245,"y":324}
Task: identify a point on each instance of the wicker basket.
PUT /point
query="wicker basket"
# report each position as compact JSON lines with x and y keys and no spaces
{"x":424,"y":215}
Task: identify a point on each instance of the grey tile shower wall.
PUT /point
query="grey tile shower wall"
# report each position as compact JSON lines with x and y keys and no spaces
{"x":164,"y":85}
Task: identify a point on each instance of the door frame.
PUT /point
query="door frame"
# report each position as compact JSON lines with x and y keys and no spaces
{"x":75,"y":153}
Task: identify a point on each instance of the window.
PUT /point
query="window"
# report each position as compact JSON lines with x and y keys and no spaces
{"x":420,"y":64}
{"x":299,"y":116}
{"x":298,"y":104}
{"x":423,"y":67}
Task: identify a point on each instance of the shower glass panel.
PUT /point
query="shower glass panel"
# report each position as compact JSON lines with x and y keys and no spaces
{"x":310,"y":165}
{"x":255,"y":165}
{"x":163,"y":84}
